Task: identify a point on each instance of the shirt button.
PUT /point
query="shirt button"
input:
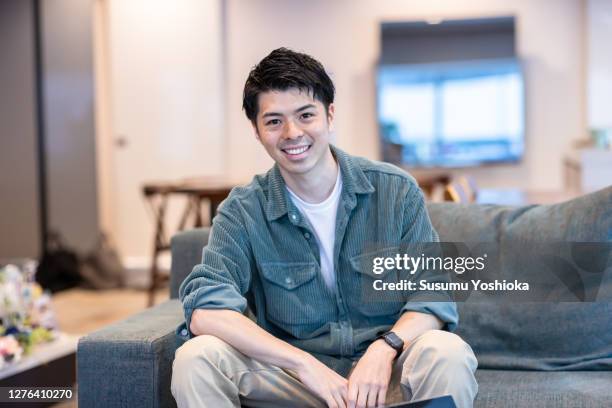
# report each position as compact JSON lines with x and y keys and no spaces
{"x":307,"y":235}
{"x":293,"y":217}
{"x":184,"y":332}
{"x":288,"y":280}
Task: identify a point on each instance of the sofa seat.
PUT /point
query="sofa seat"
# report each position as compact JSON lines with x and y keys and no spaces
{"x":561,"y":389}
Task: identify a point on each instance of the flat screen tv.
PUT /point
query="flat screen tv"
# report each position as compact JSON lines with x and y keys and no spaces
{"x":452,"y":114}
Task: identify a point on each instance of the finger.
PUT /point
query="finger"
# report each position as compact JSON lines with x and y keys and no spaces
{"x":362,"y":397}
{"x":340,"y":392}
{"x":382,"y":396}
{"x":352,"y":395}
{"x":339,"y":401}
{"x":344,"y":394}
{"x":330,"y":401}
{"x":372,"y":394}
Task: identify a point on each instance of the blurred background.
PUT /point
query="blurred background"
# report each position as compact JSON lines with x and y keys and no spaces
{"x":507,"y":100}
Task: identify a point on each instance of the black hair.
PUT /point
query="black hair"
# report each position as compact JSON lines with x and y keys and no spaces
{"x":284,"y":69}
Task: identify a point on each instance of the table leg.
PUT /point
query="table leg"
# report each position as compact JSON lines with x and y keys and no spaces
{"x":159,"y":244}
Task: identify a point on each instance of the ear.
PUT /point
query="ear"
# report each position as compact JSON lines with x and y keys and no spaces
{"x":331,"y":112}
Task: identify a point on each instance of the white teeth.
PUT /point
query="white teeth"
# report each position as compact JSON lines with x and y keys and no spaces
{"x":297,"y":150}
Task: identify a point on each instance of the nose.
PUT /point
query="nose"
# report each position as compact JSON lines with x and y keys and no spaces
{"x":292,"y":130}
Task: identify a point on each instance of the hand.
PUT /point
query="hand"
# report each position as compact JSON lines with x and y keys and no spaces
{"x":369,"y":381}
{"x":323,"y":381}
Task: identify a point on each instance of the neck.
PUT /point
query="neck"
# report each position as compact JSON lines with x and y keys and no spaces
{"x":317,"y":184}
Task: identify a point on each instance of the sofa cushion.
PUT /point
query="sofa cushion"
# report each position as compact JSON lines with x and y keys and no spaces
{"x":501,"y":389}
{"x":535,"y":336}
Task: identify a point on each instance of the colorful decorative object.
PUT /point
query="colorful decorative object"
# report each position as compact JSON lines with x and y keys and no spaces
{"x":26,"y":315}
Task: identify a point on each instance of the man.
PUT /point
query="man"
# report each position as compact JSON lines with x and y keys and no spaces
{"x":289,"y":246}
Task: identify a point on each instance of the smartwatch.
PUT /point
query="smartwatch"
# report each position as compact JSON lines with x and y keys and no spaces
{"x":394,"y":341}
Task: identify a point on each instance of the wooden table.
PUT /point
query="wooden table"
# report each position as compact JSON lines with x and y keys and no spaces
{"x":211,"y":190}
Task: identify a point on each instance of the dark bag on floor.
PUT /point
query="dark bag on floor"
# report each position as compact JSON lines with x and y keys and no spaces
{"x":59,"y":266}
{"x":102,"y":268}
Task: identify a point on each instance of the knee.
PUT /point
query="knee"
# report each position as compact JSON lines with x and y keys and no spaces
{"x":196,"y":369}
{"x":201,"y":351}
{"x":444,"y":349}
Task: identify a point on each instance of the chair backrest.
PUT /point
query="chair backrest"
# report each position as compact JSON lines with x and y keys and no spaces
{"x":461,"y":190}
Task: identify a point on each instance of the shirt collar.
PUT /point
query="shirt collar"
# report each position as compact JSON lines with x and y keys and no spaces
{"x":354,"y":182}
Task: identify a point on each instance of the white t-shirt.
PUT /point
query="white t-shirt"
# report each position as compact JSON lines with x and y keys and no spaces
{"x":322,"y":219}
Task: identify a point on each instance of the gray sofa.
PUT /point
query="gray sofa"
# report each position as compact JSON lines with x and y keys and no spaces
{"x":530,"y":355}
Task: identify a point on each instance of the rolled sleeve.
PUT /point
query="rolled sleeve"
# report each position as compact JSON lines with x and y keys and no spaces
{"x":445,"y":311}
{"x":223,"y":278}
{"x":219,"y":297}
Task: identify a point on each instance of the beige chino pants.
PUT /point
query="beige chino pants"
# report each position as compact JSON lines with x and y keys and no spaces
{"x":207,"y":372}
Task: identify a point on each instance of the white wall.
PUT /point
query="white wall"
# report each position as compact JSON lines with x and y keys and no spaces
{"x":344,"y":36}
{"x":160,"y":87}
{"x":600,"y":63}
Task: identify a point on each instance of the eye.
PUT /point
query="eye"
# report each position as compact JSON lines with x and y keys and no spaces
{"x":307,"y":115}
{"x":272,"y":122}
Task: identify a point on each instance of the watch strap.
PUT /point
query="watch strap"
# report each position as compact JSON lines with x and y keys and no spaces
{"x":394,"y":341}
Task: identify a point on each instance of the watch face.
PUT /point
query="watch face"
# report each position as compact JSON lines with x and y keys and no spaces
{"x":394,"y":341}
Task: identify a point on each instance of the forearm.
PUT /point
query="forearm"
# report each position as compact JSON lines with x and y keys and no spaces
{"x":412,"y":324}
{"x":247,"y":337}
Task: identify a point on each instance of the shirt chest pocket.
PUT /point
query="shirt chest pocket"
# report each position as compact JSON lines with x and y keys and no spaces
{"x":372,"y":301}
{"x":292,"y":292}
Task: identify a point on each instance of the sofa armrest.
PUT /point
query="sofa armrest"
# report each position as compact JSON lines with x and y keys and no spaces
{"x":129,"y":363}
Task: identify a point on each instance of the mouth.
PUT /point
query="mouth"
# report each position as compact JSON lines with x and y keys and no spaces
{"x":296,"y":152}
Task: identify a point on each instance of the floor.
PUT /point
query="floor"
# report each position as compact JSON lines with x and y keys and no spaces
{"x":81,"y":311}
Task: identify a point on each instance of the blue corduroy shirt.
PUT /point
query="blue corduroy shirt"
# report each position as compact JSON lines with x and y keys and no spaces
{"x":262,"y":254}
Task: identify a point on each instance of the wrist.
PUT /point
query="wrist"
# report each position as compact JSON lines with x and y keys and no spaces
{"x":381,"y":347}
{"x":298,"y":360}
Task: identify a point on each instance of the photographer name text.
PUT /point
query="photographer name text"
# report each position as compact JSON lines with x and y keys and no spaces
{"x":474,"y":284}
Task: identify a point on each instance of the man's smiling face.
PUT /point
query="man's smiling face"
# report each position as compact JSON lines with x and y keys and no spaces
{"x":295,"y":130}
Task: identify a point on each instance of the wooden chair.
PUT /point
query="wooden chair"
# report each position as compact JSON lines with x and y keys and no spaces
{"x":462,"y":190}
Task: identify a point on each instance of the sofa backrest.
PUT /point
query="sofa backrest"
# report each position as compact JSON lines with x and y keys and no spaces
{"x":539,"y":336}
{"x":186,"y":248}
